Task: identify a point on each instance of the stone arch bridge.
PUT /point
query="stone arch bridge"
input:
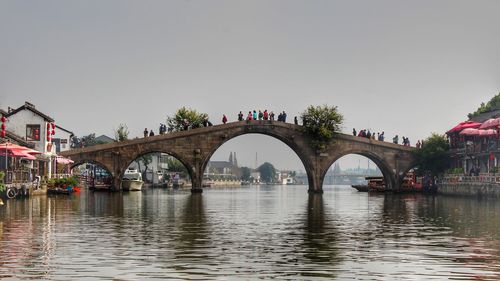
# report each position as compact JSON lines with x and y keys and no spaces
{"x":195,"y":147}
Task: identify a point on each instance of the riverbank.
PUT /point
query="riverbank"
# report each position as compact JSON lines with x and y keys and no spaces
{"x":477,"y":186}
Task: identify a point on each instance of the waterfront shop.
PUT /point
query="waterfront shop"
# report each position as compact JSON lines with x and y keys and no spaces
{"x":475,"y":145}
{"x":28,"y":147}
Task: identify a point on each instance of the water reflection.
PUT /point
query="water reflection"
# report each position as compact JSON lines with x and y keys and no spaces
{"x":250,"y":233}
{"x":320,"y":240}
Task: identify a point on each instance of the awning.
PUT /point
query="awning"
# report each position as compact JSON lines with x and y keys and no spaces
{"x":487,"y":133}
{"x":492,"y":123}
{"x":64,"y":160}
{"x":17,"y":153}
{"x":469,"y":132}
{"x":19,"y":148}
{"x":464,"y":125}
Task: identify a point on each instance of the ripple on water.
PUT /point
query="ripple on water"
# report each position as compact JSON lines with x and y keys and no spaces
{"x":249,"y":233}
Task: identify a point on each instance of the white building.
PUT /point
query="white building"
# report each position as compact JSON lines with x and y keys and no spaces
{"x":62,"y":139}
{"x":36,"y":128}
{"x":31,"y":124}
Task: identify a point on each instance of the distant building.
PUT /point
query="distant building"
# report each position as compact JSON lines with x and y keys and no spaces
{"x":103,"y":139}
{"x":223,"y":169}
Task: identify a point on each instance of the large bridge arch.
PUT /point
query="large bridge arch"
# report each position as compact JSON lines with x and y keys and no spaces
{"x":289,"y":142}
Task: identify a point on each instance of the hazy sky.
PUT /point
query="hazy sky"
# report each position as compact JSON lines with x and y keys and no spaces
{"x":405,"y":67}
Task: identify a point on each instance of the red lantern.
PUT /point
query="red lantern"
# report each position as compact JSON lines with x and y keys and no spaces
{"x":4,"y":119}
{"x":53,"y":126}
{"x":2,"y":133}
{"x":3,"y":126}
{"x":48,"y":137}
{"x":53,"y":132}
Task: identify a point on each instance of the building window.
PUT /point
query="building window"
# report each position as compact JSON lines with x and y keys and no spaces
{"x":33,"y":132}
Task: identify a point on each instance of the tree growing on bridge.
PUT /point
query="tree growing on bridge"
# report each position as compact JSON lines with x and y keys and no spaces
{"x":194,"y":119}
{"x":433,"y":157}
{"x":321,"y":123}
{"x":267,"y":172}
{"x":121,"y":134}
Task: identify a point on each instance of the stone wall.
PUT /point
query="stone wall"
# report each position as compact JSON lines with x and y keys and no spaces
{"x":490,"y":190}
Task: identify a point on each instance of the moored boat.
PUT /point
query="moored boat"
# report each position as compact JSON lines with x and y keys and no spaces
{"x":361,"y":187}
{"x":132,"y":180}
{"x":376,"y":184}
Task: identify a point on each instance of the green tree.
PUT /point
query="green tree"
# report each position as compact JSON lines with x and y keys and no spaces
{"x":246,"y":173}
{"x":493,"y":104}
{"x":193,"y":118}
{"x":321,"y":123}
{"x":267,"y":172}
{"x":88,"y":140}
{"x":121,"y":134}
{"x":433,"y":157}
{"x":175,"y":165}
{"x":145,"y":159}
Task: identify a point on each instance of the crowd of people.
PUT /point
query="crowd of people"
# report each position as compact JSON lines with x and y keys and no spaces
{"x":381,"y":137}
{"x":369,"y":135}
{"x":261,"y":115}
{"x":269,"y":115}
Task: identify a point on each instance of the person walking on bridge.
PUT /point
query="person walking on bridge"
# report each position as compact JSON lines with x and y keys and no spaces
{"x":151,"y":133}
{"x":146,"y":132}
{"x":255,"y":115}
{"x":240,"y":116}
{"x":354,"y":133}
{"x":250,"y":116}
{"x":296,"y":120}
{"x":395,"y":139}
{"x":224,"y":119}
{"x":266,"y":115}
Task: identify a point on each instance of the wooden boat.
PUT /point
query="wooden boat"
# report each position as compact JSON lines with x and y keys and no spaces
{"x":375,"y":184}
{"x":57,"y":190}
{"x":411,"y":183}
{"x":361,"y":187}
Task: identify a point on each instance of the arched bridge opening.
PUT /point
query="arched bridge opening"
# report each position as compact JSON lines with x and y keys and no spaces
{"x":157,"y":168}
{"x":253,"y":158}
{"x":93,"y":174}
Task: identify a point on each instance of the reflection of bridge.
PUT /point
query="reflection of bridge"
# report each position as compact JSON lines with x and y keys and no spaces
{"x":195,"y":147}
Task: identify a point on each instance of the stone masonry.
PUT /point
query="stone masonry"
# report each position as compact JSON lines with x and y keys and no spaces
{"x":195,"y":147}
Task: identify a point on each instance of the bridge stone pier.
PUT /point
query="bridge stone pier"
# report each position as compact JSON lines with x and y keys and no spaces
{"x":195,"y":147}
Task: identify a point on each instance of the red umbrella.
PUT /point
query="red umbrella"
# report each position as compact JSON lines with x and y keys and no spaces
{"x":464,"y":125}
{"x":487,"y":133}
{"x":491,"y":124}
{"x":469,"y":132}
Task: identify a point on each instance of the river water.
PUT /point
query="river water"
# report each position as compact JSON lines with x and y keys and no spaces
{"x":248,"y":233}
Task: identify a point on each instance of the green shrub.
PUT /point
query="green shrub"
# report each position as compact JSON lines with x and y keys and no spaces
{"x":2,"y":185}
